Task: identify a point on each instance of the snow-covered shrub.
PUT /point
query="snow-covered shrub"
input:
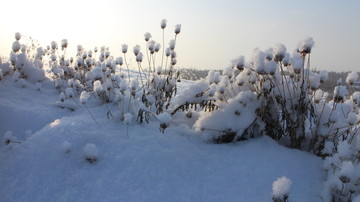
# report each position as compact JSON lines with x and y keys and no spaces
{"x":278,"y":95}
{"x":99,"y":74}
{"x":23,"y":60}
{"x":91,"y":153}
{"x":281,"y":189}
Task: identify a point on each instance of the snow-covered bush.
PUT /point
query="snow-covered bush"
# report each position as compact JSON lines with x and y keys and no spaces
{"x":98,"y":77}
{"x":281,"y":189}
{"x":23,"y":61}
{"x":277,"y":94}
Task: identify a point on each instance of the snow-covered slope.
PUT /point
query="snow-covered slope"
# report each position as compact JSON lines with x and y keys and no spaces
{"x":144,"y":165}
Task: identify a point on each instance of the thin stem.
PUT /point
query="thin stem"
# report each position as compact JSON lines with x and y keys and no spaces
{"x":91,"y":114}
{"x":127,"y":66}
{"x":163,"y":48}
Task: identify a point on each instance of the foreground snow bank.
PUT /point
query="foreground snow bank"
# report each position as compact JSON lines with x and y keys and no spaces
{"x":51,"y":164}
{"x":149,"y":166}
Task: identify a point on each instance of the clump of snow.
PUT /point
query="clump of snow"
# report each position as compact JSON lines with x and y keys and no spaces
{"x":318,"y":96}
{"x":270,"y":67}
{"x":84,"y":96}
{"x":69,"y":92}
{"x":172,"y":44}
{"x":163,"y":23}
{"x":281,"y":187}
{"x":164,"y":119}
{"x":279,"y":52}
{"x":356,"y":97}
{"x":147,"y":36}
{"x":98,"y":88}
{"x":136,"y":50}
{"x":16,"y":46}
{"x":91,"y":152}
{"x":352,"y":77}
{"x":127,"y":118}
{"x":297,"y":63}
{"x":124,"y":48}
{"x":258,"y":59}
{"x":306,"y":45}
{"x":339,"y":93}
{"x":17,"y":36}
{"x":239,"y":113}
{"x":64,"y":43}
{"x":177,"y":28}
{"x":239,"y":63}
{"x":139,"y":57}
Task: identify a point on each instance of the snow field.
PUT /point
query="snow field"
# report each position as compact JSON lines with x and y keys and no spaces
{"x":144,"y":165}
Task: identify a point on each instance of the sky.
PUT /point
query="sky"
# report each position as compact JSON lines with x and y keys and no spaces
{"x":213,"y":32}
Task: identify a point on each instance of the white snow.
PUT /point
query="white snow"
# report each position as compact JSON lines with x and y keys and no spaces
{"x":144,"y":165}
{"x":281,"y":187}
{"x":127,"y":118}
{"x":84,"y":96}
{"x":91,"y":152}
{"x":164,"y":118}
{"x":352,"y":77}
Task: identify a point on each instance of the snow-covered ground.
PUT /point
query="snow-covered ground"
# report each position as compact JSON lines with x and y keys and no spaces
{"x":144,"y":165}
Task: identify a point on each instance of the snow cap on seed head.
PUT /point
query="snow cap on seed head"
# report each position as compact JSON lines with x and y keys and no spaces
{"x":281,"y":187}
{"x":136,"y":50}
{"x":168,"y":52}
{"x":177,"y":28}
{"x":54,"y":45}
{"x":147,"y":36}
{"x":352,"y":77}
{"x":239,"y":63}
{"x":172,"y":44}
{"x":139,"y":57}
{"x":279,"y":52}
{"x":124,"y":48}
{"x":163,"y":23}
{"x":306,"y":45}
{"x":259,"y":61}
{"x":17,"y":36}
{"x":16,"y":46}
{"x":64,"y":44}
{"x":157,"y":47}
{"x":84,"y":97}
{"x":127,"y":118}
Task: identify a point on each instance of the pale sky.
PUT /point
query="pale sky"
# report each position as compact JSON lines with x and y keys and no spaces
{"x":213,"y":32}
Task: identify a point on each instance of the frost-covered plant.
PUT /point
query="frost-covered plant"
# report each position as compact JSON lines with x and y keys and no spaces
{"x":97,"y":73}
{"x":287,"y":103}
{"x":91,"y":153}
{"x":281,"y":189}
{"x":164,"y":119}
{"x":23,"y":61}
